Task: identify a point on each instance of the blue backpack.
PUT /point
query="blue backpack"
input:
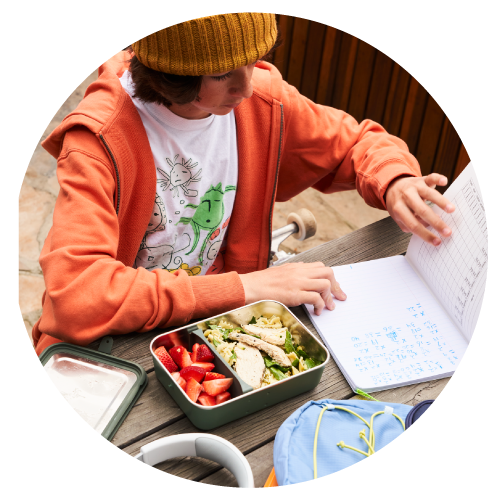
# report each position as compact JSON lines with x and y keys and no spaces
{"x":323,"y":437}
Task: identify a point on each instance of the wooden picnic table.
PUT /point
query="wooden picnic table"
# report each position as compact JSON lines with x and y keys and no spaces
{"x":156,"y":415}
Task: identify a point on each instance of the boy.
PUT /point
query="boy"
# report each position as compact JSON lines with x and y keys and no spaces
{"x":169,"y":170}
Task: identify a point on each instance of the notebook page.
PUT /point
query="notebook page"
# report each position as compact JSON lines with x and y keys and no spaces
{"x":456,"y":270}
{"x":390,"y":330}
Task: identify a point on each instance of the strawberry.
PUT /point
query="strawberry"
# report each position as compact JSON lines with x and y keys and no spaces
{"x":213,"y":376}
{"x":206,"y":400}
{"x":207,"y":366}
{"x":218,"y":386}
{"x":193,"y":390}
{"x":195,"y":372}
{"x":203,"y":354}
{"x":181,"y":356}
{"x":222,"y":397}
{"x":193,"y":354}
{"x":182,"y":382}
{"x":165,"y":359}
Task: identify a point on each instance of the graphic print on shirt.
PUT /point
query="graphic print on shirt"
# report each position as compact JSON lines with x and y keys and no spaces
{"x":180,"y":176}
{"x":207,"y":216}
{"x":192,"y":271}
{"x":151,"y":256}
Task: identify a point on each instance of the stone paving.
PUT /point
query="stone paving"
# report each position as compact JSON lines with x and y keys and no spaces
{"x":337,"y":214}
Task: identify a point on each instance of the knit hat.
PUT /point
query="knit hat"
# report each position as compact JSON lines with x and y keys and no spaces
{"x":208,"y":45}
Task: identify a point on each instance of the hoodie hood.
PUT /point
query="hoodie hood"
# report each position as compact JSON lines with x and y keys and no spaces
{"x":99,"y":104}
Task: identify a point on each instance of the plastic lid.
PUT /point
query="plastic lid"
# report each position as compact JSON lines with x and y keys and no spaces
{"x":417,"y":411}
{"x":99,"y":387}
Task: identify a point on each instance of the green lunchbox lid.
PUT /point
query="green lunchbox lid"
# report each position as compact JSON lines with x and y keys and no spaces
{"x":101,"y":388}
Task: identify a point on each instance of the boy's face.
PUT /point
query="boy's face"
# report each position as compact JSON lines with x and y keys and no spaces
{"x":219,"y":94}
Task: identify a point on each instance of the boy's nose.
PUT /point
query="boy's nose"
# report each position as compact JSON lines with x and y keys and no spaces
{"x":243,"y":86}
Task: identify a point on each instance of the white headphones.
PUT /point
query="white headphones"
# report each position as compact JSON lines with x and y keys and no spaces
{"x":200,"y":445}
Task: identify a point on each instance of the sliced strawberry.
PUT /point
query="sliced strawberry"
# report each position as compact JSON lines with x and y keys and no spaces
{"x":222,"y":397}
{"x":207,"y":366}
{"x":203,"y":354}
{"x":181,"y":356}
{"x":193,"y":390}
{"x":165,"y":359}
{"x":213,"y":376}
{"x":206,"y":400}
{"x":193,"y":354}
{"x":196,"y":372}
{"x":182,"y":382}
{"x":218,"y":386}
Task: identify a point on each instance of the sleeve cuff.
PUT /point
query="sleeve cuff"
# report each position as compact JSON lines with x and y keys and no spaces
{"x":216,"y":294}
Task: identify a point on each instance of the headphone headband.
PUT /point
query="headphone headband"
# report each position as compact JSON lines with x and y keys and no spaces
{"x":200,"y":445}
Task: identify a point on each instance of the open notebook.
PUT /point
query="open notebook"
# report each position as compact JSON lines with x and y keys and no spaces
{"x":409,"y":319}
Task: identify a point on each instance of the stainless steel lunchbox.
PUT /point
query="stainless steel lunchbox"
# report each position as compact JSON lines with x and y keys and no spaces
{"x":245,"y":400}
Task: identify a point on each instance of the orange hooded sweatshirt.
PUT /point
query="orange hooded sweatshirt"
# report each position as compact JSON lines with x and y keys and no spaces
{"x":107,"y":179}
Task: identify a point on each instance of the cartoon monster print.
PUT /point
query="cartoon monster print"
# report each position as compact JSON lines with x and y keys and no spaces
{"x":207,"y":216}
{"x":158,"y":217}
{"x":214,"y":250}
{"x":179,"y":176}
{"x":152,"y":257}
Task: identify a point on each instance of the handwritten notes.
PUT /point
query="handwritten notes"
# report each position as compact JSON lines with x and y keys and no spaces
{"x":456,"y":270}
{"x":390,"y":331}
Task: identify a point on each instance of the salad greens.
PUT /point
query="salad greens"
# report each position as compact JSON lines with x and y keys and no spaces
{"x":279,"y":372}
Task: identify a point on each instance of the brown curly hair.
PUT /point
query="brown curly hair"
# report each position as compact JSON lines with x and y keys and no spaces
{"x":164,"y":88}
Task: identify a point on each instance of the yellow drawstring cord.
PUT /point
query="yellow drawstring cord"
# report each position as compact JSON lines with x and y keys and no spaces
{"x":371,"y":436}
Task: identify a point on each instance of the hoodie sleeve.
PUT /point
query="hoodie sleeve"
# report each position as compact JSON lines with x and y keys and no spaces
{"x":89,"y":293}
{"x":327,"y":149}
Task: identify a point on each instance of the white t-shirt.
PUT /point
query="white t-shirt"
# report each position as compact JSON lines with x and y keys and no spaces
{"x":197,"y":173}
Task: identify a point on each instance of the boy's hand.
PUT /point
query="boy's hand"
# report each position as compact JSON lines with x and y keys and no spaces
{"x":405,"y":200}
{"x":294,"y":284}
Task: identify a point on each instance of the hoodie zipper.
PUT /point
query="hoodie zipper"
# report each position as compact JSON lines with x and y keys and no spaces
{"x":274,"y":188}
{"x":116,"y":172}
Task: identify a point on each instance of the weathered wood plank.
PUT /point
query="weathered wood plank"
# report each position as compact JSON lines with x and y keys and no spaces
{"x":297,"y":52}
{"x":430,"y":135}
{"x":261,"y":462}
{"x":410,"y":394}
{"x":282,"y":54}
{"x":413,"y":116}
{"x":327,"y":60}
{"x":447,"y":154}
{"x":154,"y":410}
{"x":312,"y":61}
{"x":462,"y":161}
{"x":396,"y":100}
{"x":361,"y":80}
{"x":375,"y":241}
{"x":379,"y":87}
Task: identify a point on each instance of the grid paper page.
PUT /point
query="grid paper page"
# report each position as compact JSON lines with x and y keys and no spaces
{"x":456,"y":270}
{"x":390,"y":330}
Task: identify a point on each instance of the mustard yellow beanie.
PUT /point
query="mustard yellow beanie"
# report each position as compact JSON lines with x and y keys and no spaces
{"x":208,"y":45}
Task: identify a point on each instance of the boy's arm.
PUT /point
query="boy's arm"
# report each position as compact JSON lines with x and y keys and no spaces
{"x":88,"y":292}
{"x":327,"y":149}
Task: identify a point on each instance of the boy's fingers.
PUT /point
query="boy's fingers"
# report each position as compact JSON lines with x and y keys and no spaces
{"x":315,"y":299}
{"x":424,"y":212}
{"x":438,"y":199}
{"x":434,"y":180}
{"x":409,"y":220}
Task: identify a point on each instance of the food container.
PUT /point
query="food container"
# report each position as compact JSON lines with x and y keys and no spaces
{"x":101,"y":388}
{"x":245,"y":400}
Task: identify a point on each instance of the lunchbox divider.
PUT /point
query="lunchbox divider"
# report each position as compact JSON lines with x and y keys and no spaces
{"x":239,"y":386}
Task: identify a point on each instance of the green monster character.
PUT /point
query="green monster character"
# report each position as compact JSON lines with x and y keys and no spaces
{"x":208,"y":215}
